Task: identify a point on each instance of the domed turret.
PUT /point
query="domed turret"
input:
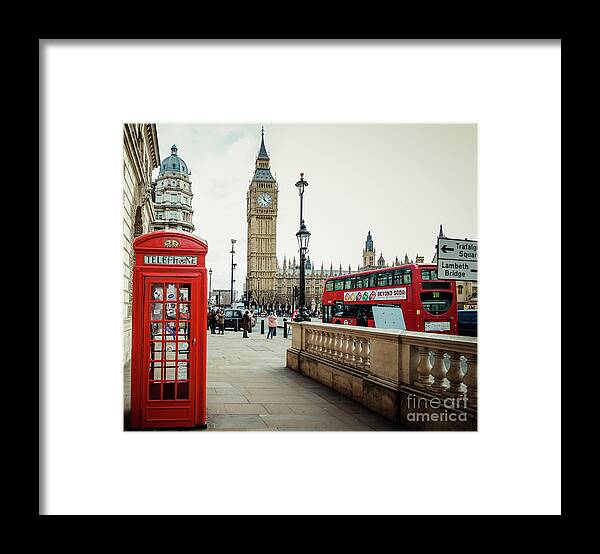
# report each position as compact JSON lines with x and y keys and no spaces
{"x":173,"y":195}
{"x":173,"y":163}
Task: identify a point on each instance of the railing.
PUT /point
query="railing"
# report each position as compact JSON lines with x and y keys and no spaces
{"x":345,"y":345}
{"x":443,"y":365}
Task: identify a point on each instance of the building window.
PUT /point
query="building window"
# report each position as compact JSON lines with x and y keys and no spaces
{"x":459,"y":289}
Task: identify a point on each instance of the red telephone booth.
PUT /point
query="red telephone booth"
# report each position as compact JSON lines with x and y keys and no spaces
{"x":168,"y":357}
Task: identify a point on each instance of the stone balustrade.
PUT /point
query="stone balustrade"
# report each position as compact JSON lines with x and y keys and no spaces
{"x":387,"y":370}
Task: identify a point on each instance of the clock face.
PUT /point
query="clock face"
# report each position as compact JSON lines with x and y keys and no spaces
{"x":264,"y":199}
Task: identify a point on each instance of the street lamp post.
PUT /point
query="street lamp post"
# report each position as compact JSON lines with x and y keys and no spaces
{"x":209,"y":284}
{"x":233,"y":241}
{"x":303,"y":236}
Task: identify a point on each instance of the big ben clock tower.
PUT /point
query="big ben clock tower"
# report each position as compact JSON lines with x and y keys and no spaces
{"x":261,"y":214}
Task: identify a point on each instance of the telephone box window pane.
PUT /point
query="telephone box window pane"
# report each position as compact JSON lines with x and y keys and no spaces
{"x":155,"y":369}
{"x":183,"y":391}
{"x":170,"y":331}
{"x":171,"y":311}
{"x":156,"y":311}
{"x":184,"y":330}
{"x":184,"y":348}
{"x":169,"y":391}
{"x":171,"y":291}
{"x":156,"y":331}
{"x":154,"y":391}
{"x":184,"y":292}
{"x":184,"y":312}
{"x":170,"y":371}
{"x":157,"y":292}
{"x":182,"y":371}
{"x":156,"y":350}
{"x":169,"y":351}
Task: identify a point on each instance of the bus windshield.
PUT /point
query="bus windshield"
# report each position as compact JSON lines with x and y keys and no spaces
{"x":436,"y":302}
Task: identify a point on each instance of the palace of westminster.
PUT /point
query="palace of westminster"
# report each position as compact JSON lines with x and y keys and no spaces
{"x":166,"y":203}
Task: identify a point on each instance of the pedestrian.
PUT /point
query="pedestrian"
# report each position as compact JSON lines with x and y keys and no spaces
{"x":272,"y":323}
{"x":212,"y":321}
{"x":246,"y":323}
{"x":221,"y":322}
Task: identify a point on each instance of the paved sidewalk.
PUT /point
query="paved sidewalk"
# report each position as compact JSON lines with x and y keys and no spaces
{"x":250,"y":389}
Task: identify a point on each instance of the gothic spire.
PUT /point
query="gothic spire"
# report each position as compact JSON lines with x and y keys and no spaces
{"x":262,"y":153}
{"x":369,"y":243}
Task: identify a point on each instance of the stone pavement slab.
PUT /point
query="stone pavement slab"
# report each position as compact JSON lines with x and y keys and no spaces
{"x":237,"y":422}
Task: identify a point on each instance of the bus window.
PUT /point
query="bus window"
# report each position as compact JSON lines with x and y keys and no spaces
{"x":373,"y":279}
{"x":329,"y":286}
{"x":344,"y":310}
{"x":363,"y":314}
{"x":350,"y":283}
{"x":436,"y":302}
{"x":407,"y":276}
{"x":338,"y":284}
{"x":398,"y":277}
{"x":384,"y":279}
{"x":429,"y":275}
{"x":362,"y":282}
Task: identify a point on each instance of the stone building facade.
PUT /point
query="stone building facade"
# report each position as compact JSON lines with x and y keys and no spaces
{"x":140,"y":157}
{"x":172,"y":195}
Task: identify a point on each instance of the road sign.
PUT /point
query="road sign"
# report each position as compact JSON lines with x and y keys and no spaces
{"x":457,"y":259}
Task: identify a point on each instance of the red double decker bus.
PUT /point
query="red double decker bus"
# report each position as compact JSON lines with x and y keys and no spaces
{"x":428,"y":304}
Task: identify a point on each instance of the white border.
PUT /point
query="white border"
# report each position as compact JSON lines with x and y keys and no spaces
{"x":512,"y":465}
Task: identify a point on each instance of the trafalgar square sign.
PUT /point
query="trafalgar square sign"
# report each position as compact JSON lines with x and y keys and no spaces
{"x":456,"y":259}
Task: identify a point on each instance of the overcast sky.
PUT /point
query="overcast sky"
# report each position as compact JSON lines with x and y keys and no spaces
{"x":398,"y":181}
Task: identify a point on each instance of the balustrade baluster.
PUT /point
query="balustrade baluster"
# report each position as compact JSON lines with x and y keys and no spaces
{"x":339,"y":347}
{"x":367,"y":356}
{"x":359,"y":351}
{"x":353,"y":348}
{"x":455,"y":376}
{"x":424,"y":378}
{"x":347,"y":349}
{"x":440,"y":383}
{"x":470,"y":380}
{"x":331,"y":345}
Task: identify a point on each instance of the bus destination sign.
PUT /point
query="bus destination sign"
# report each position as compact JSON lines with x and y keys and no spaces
{"x":456,"y":259}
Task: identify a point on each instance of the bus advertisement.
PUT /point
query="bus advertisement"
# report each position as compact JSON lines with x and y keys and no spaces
{"x":428,"y":303}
